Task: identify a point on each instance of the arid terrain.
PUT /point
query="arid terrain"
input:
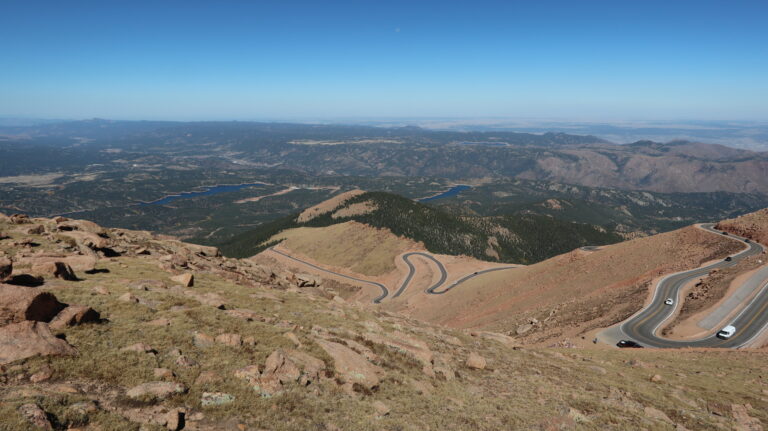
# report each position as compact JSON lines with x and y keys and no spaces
{"x":125,"y":329}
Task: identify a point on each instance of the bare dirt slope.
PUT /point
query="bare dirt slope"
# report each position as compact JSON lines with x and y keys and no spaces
{"x":572,"y":293}
{"x":753,"y":226}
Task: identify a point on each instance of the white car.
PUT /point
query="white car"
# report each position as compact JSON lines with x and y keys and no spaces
{"x":669,"y":301}
{"x":726,"y":332}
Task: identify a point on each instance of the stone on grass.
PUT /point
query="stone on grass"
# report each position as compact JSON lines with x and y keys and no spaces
{"x":381,"y":408}
{"x":43,"y":374}
{"x":155,"y":390}
{"x":216,"y":399}
{"x":27,"y":339}
{"x":186,"y":279}
{"x":74,"y":315}
{"x":20,"y":303}
{"x":55,"y":269}
{"x":476,"y":361}
{"x":35,"y":416}
{"x":202,"y":340}
{"x":350,"y":366}
{"x":232,"y":340}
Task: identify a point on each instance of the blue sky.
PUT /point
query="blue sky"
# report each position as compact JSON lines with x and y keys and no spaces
{"x":229,"y":59}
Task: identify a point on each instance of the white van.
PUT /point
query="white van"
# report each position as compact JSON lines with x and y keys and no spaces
{"x":727,"y":332}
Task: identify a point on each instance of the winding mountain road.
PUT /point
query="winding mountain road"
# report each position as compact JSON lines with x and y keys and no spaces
{"x":411,"y":273}
{"x":750,"y":322}
{"x":377,"y":300}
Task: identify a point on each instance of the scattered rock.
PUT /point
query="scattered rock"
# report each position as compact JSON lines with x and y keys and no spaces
{"x":476,"y":361}
{"x":155,"y":391}
{"x":350,"y":366}
{"x":19,"y":219}
{"x":293,"y":338}
{"x":101,"y":290}
{"x":42,"y":375}
{"x":524,"y":329}
{"x":20,"y":303}
{"x":163,"y":373}
{"x":55,"y":269}
{"x":216,"y":399}
{"x":139,"y":347}
{"x":233,"y":340}
{"x":654,"y":413}
{"x":381,"y":408}
{"x":745,"y":422}
{"x":655,"y":378}
{"x":202,"y":340}
{"x":186,"y":279}
{"x":74,"y":315}
{"x":208,"y":377}
{"x":27,"y":339}
{"x":35,"y":416}
{"x":128,"y":297}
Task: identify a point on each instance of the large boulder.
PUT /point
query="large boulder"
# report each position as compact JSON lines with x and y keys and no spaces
{"x":88,"y":239}
{"x":19,"y":303}
{"x":350,"y":366}
{"x":19,"y":219}
{"x":186,"y":279}
{"x":74,"y":315}
{"x":27,"y":339}
{"x":78,"y":262}
{"x":66,"y":225}
{"x":6,"y":268}
{"x":54,"y":269}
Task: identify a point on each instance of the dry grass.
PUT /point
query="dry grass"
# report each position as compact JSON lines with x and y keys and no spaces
{"x":351,"y":245}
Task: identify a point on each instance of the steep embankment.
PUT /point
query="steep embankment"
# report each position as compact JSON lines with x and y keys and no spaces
{"x":523,"y":239}
{"x":570,"y":294}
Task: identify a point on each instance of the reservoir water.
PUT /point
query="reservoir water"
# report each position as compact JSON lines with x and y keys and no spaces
{"x":213,"y":190}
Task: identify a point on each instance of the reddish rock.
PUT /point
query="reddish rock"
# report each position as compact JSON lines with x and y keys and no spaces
{"x":35,"y":416}
{"x":186,"y":280}
{"x":350,"y":366}
{"x":45,"y":373}
{"x":74,"y":315}
{"x":55,"y":269}
{"x":6,"y":267}
{"x":19,"y":219}
{"x":27,"y":339}
{"x":476,"y":361}
{"x":20,"y":303}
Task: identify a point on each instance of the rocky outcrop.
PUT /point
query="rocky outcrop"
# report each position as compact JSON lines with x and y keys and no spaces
{"x":282,"y":367}
{"x":55,"y":269}
{"x":27,"y":339}
{"x":350,"y":366}
{"x":74,"y":315}
{"x":19,"y":303}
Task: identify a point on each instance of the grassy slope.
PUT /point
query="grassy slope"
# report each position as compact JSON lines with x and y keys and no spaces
{"x":531,"y":238}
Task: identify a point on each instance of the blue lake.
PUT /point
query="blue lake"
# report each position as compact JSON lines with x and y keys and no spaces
{"x":453,"y":191}
{"x":214,"y":190}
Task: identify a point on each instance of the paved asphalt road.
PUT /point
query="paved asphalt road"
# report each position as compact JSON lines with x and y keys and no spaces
{"x":412,"y":271}
{"x":384,"y":290}
{"x":642,"y":327}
